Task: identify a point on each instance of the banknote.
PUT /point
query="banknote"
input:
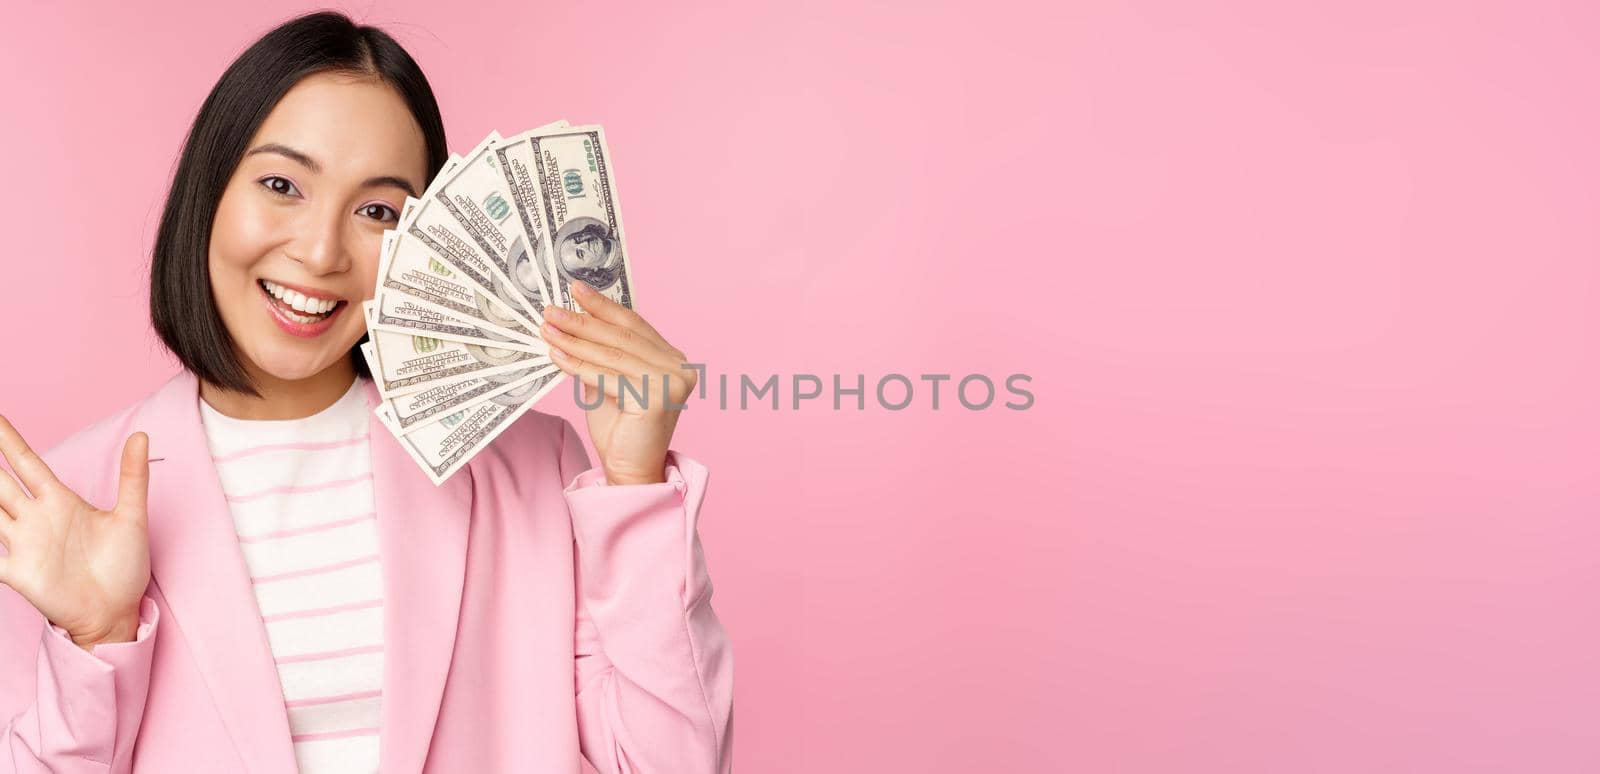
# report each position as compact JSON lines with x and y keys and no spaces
{"x":405,"y":413}
{"x":465,"y":277}
{"x":430,"y":222}
{"x":404,"y":314}
{"x":407,"y":267}
{"x":514,"y":157}
{"x":404,"y":363}
{"x":579,"y":213}
{"x":476,"y":194}
{"x":443,"y":445}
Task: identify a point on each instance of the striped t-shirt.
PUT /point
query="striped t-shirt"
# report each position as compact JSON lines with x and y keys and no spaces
{"x":300,"y":493}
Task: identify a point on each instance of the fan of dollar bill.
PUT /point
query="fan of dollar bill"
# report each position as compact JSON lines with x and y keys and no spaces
{"x":464,"y":279}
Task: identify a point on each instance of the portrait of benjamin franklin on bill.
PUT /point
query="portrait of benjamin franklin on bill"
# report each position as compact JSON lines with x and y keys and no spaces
{"x":586,"y":250}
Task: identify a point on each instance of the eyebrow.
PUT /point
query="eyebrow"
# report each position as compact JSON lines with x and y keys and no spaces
{"x":310,"y":163}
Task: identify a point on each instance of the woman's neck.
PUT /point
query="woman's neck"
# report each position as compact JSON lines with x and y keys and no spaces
{"x":282,"y":398}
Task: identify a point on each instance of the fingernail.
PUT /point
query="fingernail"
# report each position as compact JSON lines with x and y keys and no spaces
{"x":555,"y":312}
{"x":551,"y":331}
{"x":581,"y":286}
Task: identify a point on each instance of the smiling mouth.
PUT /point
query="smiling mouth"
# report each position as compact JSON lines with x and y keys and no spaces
{"x":297,"y":306}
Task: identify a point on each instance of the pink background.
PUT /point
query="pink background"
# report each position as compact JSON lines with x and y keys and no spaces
{"x":1308,"y":292}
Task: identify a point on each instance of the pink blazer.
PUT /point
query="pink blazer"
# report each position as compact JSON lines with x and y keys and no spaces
{"x":532,"y":614}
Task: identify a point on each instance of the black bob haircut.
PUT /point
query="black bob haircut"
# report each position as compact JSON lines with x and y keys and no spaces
{"x":182,"y":308}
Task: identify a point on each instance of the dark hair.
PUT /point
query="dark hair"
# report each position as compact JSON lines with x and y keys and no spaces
{"x":181,"y":305}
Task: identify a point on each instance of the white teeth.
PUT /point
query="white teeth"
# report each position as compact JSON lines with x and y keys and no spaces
{"x":300,"y":302}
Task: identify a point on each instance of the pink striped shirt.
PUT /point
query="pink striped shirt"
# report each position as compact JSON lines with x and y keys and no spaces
{"x":300,"y":492}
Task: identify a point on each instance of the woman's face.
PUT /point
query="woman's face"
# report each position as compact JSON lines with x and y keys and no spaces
{"x":294,"y":247}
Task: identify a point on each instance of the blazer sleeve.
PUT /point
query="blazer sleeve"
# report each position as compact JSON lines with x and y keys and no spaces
{"x":88,"y":704}
{"x":654,"y":665}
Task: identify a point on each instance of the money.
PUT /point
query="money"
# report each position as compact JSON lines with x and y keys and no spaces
{"x":514,"y":157}
{"x":446,"y":240}
{"x":405,"y":413}
{"x":476,"y":194}
{"x":443,"y":446}
{"x":579,"y":214}
{"x":408,"y":268}
{"x":500,"y":234}
{"x":405,"y":315}
{"x":404,"y":362}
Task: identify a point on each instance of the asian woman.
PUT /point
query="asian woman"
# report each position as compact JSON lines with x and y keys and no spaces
{"x":239,"y":573}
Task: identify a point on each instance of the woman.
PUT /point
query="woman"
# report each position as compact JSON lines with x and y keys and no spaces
{"x":277,"y":586}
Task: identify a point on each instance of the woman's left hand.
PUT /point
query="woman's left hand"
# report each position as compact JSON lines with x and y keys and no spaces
{"x":610,"y":344}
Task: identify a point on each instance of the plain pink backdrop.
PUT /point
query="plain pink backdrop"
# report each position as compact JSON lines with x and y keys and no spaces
{"x":1308,"y":292}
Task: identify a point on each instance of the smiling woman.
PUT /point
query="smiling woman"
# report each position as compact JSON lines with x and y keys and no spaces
{"x":296,"y":163}
{"x":285,"y":590}
{"x":296,"y":236}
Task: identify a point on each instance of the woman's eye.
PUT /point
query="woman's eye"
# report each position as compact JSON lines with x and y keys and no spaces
{"x":280,"y":186}
{"x":380,"y":212}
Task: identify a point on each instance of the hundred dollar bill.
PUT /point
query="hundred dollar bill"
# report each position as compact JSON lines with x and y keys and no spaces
{"x":514,"y":157}
{"x":442,"y":446}
{"x":580,"y":216}
{"x":403,"y":314}
{"x":402,"y":363}
{"x":430,"y":222}
{"x":405,"y":413}
{"x":475,"y":193}
{"x":407,"y":266}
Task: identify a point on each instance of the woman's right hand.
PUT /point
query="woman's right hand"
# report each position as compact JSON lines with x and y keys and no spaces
{"x":85,"y":569}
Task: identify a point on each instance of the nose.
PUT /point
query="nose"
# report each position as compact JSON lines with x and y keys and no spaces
{"x":321,"y":244}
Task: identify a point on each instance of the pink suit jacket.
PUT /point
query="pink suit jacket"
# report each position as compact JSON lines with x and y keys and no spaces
{"x":532,"y":613}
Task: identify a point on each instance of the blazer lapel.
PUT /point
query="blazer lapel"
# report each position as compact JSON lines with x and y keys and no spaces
{"x":196,"y":562}
{"x":422,"y":534}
